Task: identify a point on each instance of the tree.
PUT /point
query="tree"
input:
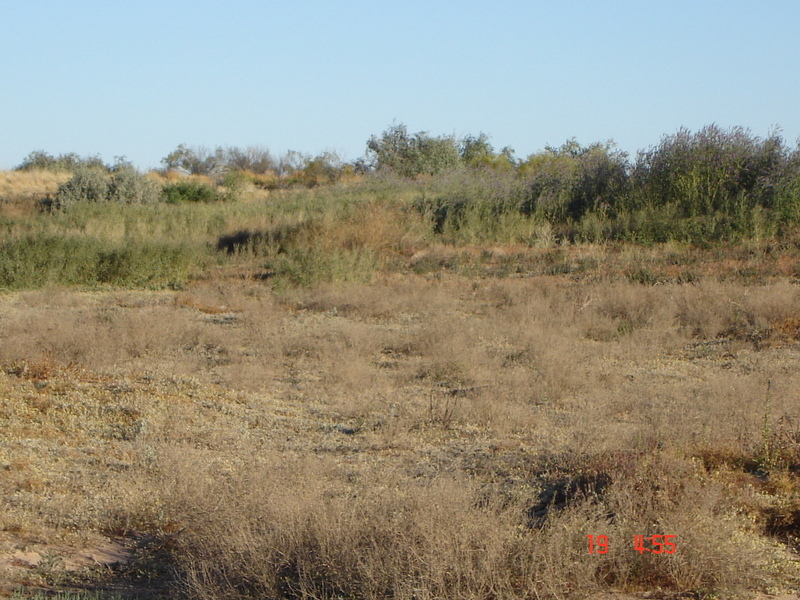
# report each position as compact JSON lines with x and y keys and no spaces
{"x":41,"y":160}
{"x":478,"y":152}
{"x":253,"y":158}
{"x":410,"y":155}
{"x":712,"y":170}
{"x":567,"y":182}
{"x":198,"y":161}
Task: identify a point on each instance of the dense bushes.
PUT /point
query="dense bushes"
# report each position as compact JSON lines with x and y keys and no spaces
{"x":38,"y":260}
{"x":123,"y":184}
{"x":711,"y":170}
{"x":713,"y":184}
{"x":41,"y":160}
{"x":454,"y":201}
{"x":189,"y":190}
{"x":410,"y":155}
{"x":258,"y":165}
{"x":129,"y":186}
{"x":567,"y":182}
{"x":710,"y":185}
{"x":90,"y":185}
{"x":787,"y":189}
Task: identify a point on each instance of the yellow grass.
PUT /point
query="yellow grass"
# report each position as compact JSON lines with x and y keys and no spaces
{"x":19,"y":184}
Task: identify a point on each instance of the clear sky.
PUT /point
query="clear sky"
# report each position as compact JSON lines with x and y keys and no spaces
{"x":138,"y":78}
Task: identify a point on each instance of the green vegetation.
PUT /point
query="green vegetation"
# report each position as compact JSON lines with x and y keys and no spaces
{"x":699,"y":187}
{"x":123,"y":184}
{"x":35,"y":261}
{"x":112,"y":225}
{"x":412,"y":155}
{"x":190,"y":191}
{"x":39,"y":160}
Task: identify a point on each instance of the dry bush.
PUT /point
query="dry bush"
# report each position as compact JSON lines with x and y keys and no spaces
{"x":324,"y":537}
{"x":379,"y":226}
{"x":315,"y":527}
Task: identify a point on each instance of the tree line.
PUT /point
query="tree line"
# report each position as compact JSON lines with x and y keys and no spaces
{"x":715,"y":183}
{"x":710,"y":184}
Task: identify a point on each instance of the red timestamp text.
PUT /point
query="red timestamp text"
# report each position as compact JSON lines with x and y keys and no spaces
{"x":655,"y":544}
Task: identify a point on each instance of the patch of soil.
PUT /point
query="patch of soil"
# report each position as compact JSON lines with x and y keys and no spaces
{"x":37,"y":565}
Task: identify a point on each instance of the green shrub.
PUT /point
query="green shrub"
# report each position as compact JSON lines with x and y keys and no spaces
{"x":474,"y":196}
{"x":304,"y":266}
{"x":189,"y":190}
{"x":41,"y":160}
{"x":787,"y":190}
{"x":128,"y":186}
{"x":595,"y":227}
{"x":410,"y":155}
{"x":124,"y":185}
{"x":323,"y":169}
{"x":34,"y":261}
{"x":713,"y":170}
{"x":86,"y":185}
{"x":477,"y":152}
{"x":568,"y":182}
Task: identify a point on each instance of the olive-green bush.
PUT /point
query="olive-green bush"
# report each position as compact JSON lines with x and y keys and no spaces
{"x":123,"y":184}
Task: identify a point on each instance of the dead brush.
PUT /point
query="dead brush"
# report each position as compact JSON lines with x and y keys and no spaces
{"x":315,"y":539}
{"x":475,"y":402}
{"x":39,"y":370}
{"x":786,"y":329}
{"x":47,"y":367}
{"x":188,"y":301}
{"x":442,"y":408}
{"x":652,"y":495}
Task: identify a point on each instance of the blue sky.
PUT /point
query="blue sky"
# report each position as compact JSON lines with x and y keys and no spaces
{"x":139,"y":78}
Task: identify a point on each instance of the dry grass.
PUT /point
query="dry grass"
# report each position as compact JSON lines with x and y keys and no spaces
{"x":36,"y":183}
{"x":22,"y":191}
{"x":414,"y":437}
